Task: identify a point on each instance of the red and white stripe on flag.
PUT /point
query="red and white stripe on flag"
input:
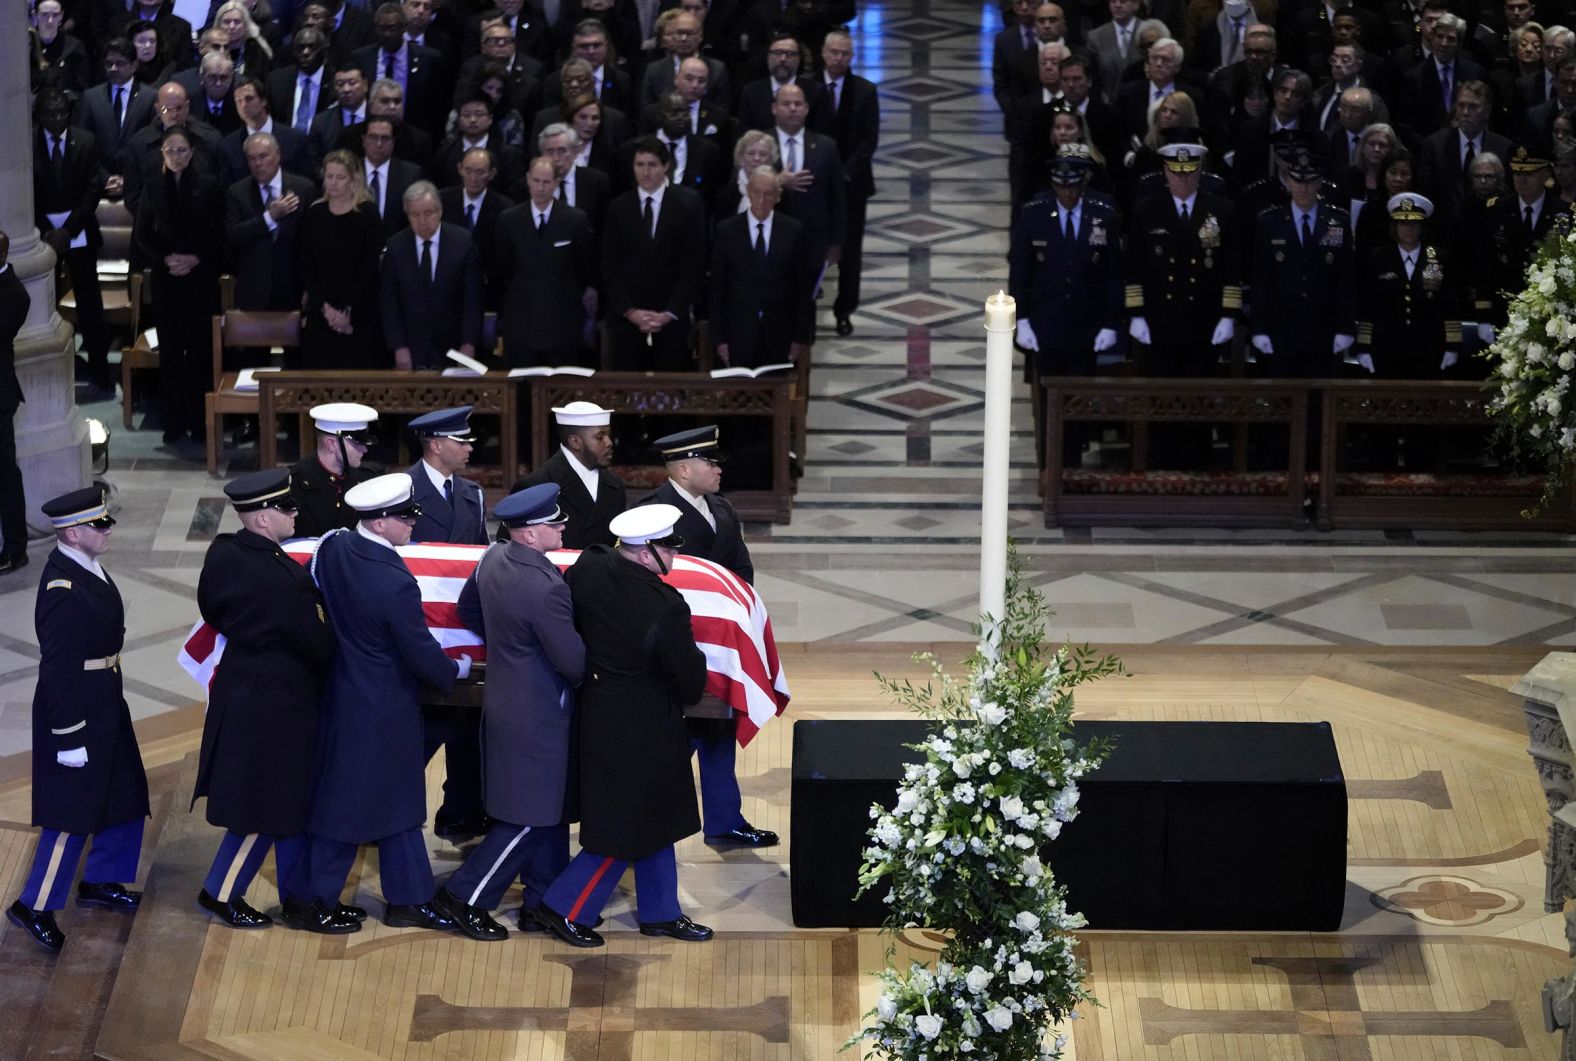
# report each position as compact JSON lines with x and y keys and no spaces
{"x":729,"y":619}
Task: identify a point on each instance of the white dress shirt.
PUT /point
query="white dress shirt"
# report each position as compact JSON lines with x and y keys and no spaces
{"x":89,"y":562}
{"x":698,"y":503}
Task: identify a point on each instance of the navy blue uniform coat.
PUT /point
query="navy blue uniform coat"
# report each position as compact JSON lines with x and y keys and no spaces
{"x":588,"y":519}
{"x":371,"y":770}
{"x":461,"y":523}
{"x":724,"y":546}
{"x":1072,"y":290}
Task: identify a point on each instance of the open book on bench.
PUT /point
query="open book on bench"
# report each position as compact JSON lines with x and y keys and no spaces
{"x":750,"y":373}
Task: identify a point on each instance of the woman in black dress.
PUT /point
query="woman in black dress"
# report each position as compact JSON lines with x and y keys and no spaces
{"x":180,"y":228}
{"x":340,"y":241}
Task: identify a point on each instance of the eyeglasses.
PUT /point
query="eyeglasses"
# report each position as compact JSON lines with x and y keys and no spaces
{"x":175,"y":150}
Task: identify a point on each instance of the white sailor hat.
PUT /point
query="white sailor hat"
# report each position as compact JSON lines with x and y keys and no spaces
{"x":387,"y":495}
{"x":582,"y":414}
{"x":343,"y":418}
{"x":647,"y":524}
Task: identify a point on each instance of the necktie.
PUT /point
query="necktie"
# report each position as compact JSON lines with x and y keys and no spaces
{"x":1028,"y":38}
{"x":1121,"y":41}
{"x":645,"y":216}
{"x":214,"y":108}
{"x":563,"y":192}
{"x":1067,"y":226}
{"x":1527,"y":216}
{"x":304,"y":109}
{"x":375,"y":187}
{"x":120,"y":106}
{"x":760,"y":238}
{"x":1236,"y":41}
{"x":1307,"y":230}
{"x":267,"y":191}
{"x":1184,"y":215}
{"x":695,"y":117}
{"x":470,"y":215}
{"x":541,"y":221}
{"x":388,"y":66}
{"x":1351,"y":150}
{"x":57,"y":154}
{"x":1160,"y":94}
{"x":831,"y":88}
{"x":448,"y":490}
{"x":1444,"y":86}
{"x":1410,"y":263}
{"x":1466,"y":164}
{"x":792,"y":161}
{"x":426,"y":266}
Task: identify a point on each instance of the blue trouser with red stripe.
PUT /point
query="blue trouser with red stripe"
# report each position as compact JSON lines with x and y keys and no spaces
{"x":111,"y":860}
{"x":241,"y":855}
{"x":583,"y":888}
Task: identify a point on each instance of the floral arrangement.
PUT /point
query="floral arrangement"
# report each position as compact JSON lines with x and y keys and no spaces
{"x":1535,"y":354}
{"x":961,"y":850}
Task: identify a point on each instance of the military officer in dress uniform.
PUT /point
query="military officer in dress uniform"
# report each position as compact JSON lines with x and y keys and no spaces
{"x":1064,"y":265}
{"x":370,"y":784}
{"x":589,"y":493}
{"x":1183,"y":266}
{"x":320,"y":480}
{"x":1514,"y":225}
{"x":637,"y":796}
{"x":452,"y":510}
{"x":88,"y":780}
{"x":710,"y":529}
{"x":260,"y":733}
{"x":520,"y":605}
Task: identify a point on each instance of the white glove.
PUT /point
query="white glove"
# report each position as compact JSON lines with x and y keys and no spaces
{"x":1225,"y":329}
{"x":464,"y":665}
{"x":1486,"y":333}
{"x":1366,"y":361}
{"x":1343,"y":343}
{"x":1104,"y":340}
{"x":1026,"y":337}
{"x":1262,"y":344}
{"x":1450,"y":358}
{"x":1138,"y":328}
{"x":76,"y":758}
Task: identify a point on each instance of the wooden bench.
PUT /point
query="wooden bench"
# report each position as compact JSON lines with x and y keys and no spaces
{"x":681,"y":394}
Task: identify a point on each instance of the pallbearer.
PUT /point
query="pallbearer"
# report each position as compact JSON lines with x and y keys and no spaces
{"x":589,"y":493}
{"x":344,"y":432}
{"x":88,"y":780}
{"x":259,"y":736}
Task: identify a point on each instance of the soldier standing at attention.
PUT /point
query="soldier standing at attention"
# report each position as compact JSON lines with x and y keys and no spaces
{"x":323,"y":477}
{"x":88,"y":780}
{"x":260,"y":733}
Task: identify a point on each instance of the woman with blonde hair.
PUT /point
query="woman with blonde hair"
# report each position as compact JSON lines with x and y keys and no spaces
{"x":341,"y":239}
{"x":248,"y":49}
{"x":753,"y":149}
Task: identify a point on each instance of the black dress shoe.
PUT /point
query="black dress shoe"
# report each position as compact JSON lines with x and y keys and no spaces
{"x":575,"y":935}
{"x":745,"y":835}
{"x":472,"y":921}
{"x":462,"y":829}
{"x":355,"y":913}
{"x":10,"y":562}
{"x":528,"y":923}
{"x":236,"y":913}
{"x":845,"y":326}
{"x":313,"y":917}
{"x":680,"y":928}
{"x":422,"y":916}
{"x":108,"y":895}
{"x":40,"y":924}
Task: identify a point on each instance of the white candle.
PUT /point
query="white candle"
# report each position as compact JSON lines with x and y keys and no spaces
{"x":1001,"y":313}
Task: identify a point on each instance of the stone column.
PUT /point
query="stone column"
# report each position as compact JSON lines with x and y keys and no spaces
{"x":51,"y":434}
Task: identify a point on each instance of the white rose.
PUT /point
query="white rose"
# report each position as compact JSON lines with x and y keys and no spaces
{"x":1547,"y":286}
{"x":907,"y":800}
{"x":886,"y":1008}
{"x":1021,"y":973}
{"x":929,"y":1025}
{"x":977,"y":980}
{"x":999,"y":1018}
{"x":1032,"y":867}
{"x":993,"y":714}
{"x":1567,"y":361}
{"x":1026,"y":921}
{"x":1012,"y":807}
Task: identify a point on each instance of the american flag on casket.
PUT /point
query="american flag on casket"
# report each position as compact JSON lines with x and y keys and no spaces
{"x":730,"y":622}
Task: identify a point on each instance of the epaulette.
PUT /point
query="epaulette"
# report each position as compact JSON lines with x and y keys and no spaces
{"x":59,"y":583}
{"x":1266,"y":209}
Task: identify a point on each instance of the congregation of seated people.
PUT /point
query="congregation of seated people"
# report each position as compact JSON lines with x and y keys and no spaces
{"x":1292,"y":190}
{"x":547,"y":182}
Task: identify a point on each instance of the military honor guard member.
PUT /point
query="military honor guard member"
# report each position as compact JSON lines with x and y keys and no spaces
{"x":370,"y":782}
{"x":1513,"y":226}
{"x":589,"y":493}
{"x":452,"y":510}
{"x":637,"y":795}
{"x":88,"y":781}
{"x":1408,"y":300}
{"x":321,"y":479}
{"x":710,"y":529}
{"x":520,"y":604}
{"x":260,"y":732}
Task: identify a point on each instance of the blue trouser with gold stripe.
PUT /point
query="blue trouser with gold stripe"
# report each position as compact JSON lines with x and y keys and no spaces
{"x":585,"y":886}
{"x":111,"y":860}
{"x":538,"y":853}
{"x":241,"y":855}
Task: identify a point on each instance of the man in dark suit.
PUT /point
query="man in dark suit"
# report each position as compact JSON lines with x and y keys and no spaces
{"x":349,"y":109}
{"x":609,"y":84}
{"x":387,"y":100}
{"x":263,"y":218}
{"x":591,"y":495}
{"x":762,"y":282}
{"x":1312,"y":31}
{"x":814,"y":189}
{"x":415,"y":68}
{"x":1427,"y":90}
{"x":143,"y":162}
{"x":302,"y":91}
{"x":14,"y":303}
{"x":546,"y":261}
{"x":697,"y":163}
{"x":432,"y":285}
{"x":585,"y":188}
{"x":1354,"y":112}
{"x":67,"y":182}
{"x":473,"y":128}
{"x":1014,"y":41}
{"x":1027,"y":126}
{"x":175,"y":33}
{"x":114,"y":110}
{"x":1540,"y":119}
{"x":524,"y":19}
{"x":1233,"y":89}
{"x":681,"y":37}
{"x":711,"y":530}
{"x":705,"y":117}
{"x":1446,"y":157}
{"x":1289,"y":110}
{"x":1163,"y":74}
{"x":1538,"y":86}
{"x":856,"y":123}
{"x":1513,"y":226}
{"x":653,"y":266}
{"x":295,"y":151}
{"x":476,"y":206}
{"x":387,"y":177}
{"x":522,"y":73}
{"x":757,"y":97}
{"x":213,"y":104}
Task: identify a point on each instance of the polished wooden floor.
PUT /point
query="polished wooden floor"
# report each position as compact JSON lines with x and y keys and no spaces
{"x":1442,"y":951}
